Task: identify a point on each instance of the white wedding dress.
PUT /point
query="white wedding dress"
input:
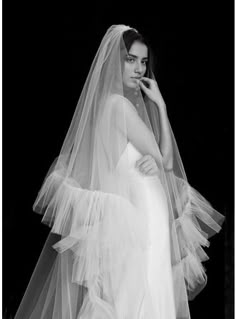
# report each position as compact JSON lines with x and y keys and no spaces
{"x":147,"y":290}
{"x":130,"y":243}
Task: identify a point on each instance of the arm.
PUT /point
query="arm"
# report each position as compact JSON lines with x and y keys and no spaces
{"x":137,"y":132}
{"x":165,"y":138}
{"x":153,"y":93}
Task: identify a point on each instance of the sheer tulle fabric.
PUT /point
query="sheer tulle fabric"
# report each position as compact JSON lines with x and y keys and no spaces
{"x":91,"y":199}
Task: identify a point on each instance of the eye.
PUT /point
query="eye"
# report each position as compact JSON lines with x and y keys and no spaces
{"x":130,"y":60}
{"x":144,"y":62}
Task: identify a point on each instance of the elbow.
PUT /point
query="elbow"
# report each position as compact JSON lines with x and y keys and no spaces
{"x":168,"y":162}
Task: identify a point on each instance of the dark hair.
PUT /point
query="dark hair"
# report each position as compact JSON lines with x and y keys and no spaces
{"x":129,"y":37}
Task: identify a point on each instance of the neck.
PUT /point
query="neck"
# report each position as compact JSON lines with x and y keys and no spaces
{"x":131,"y":93}
{"x":134,"y":95}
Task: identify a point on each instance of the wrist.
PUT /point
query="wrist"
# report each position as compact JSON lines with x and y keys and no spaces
{"x":160,"y":105}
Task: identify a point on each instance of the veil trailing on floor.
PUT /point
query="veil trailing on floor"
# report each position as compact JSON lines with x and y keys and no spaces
{"x":89,"y":206}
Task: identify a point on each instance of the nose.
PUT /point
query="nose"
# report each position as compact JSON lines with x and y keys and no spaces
{"x":138,"y":67}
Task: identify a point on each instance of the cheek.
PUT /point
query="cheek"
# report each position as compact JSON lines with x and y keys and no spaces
{"x":127,"y":69}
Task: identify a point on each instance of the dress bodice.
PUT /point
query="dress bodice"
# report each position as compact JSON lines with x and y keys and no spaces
{"x":129,"y":157}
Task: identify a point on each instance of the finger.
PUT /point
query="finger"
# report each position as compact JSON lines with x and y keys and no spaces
{"x":150,"y":172}
{"x":153,"y":172}
{"x":149,"y":159}
{"x":143,"y":87}
{"x":139,"y":162}
{"x":147,"y":168}
{"x":143,"y":168}
{"x":146,"y":79}
{"x":143,"y":159}
{"x":147,"y":165}
{"x":149,"y":81}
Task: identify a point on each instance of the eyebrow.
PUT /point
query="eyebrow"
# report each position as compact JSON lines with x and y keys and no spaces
{"x":135,"y":56}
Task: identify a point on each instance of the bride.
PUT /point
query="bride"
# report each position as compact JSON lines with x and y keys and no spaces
{"x":125,"y":238}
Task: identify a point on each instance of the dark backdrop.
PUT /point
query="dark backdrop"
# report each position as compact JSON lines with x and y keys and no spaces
{"x":47,"y":53}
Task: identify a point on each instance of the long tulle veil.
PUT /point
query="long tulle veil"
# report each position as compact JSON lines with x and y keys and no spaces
{"x":83,"y":187}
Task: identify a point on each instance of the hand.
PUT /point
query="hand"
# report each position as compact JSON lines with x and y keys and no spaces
{"x":152,"y":91}
{"x":147,"y":165}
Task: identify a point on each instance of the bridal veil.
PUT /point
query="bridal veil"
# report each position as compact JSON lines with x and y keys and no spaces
{"x":89,"y":205}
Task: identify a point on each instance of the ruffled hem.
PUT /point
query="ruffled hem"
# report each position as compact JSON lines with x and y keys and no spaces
{"x":101,"y":229}
{"x":104,"y":229}
{"x":188,"y":254}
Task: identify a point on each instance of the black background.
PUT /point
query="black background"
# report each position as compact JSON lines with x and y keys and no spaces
{"x":47,"y":52}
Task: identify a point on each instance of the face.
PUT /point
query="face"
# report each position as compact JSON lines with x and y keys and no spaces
{"x":135,"y":64}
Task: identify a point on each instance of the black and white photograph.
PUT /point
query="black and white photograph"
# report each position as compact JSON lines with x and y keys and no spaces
{"x":118,"y":160}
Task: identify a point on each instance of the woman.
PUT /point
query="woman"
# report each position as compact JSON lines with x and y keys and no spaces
{"x":131,"y":242}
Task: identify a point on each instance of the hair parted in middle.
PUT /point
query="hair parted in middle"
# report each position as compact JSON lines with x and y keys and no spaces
{"x":129,"y":37}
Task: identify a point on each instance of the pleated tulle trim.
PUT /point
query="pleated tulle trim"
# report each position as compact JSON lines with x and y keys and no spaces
{"x":197,"y":214}
{"x":101,"y":229}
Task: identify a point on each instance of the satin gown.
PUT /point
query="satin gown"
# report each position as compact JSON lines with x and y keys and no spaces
{"x":141,"y":274}
{"x":147,"y":291}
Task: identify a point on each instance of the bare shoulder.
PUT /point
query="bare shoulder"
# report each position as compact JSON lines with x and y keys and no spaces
{"x":116,"y":99}
{"x":120,"y":102}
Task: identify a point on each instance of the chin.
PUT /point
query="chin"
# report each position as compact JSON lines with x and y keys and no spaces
{"x":131,"y":85}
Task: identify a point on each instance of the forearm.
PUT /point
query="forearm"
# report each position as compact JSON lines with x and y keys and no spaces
{"x":165,"y":143}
